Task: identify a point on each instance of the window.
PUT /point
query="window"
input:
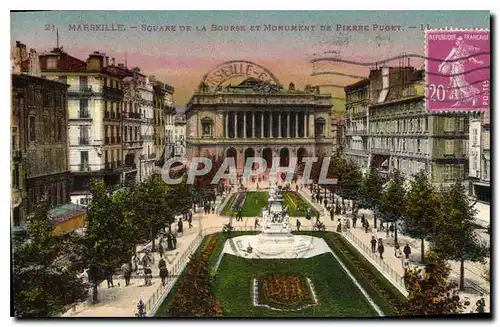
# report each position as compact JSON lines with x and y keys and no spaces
{"x":206,"y":127}
{"x":63,"y":79}
{"x":426,"y":124}
{"x":84,"y":108}
{"x":15,"y":176}
{"x":51,"y":63}
{"x":461,"y":124}
{"x":448,"y":147}
{"x":474,"y":136}
{"x":320,"y":127}
{"x":448,"y":173}
{"x":84,"y":82}
{"x":449,"y":124}
{"x":32,"y":130}
{"x":84,"y":160}
{"x":106,"y":156}
{"x":14,"y":145}
{"x":418,"y":146}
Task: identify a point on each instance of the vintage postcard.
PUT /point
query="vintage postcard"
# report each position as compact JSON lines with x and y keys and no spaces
{"x":249,"y":164}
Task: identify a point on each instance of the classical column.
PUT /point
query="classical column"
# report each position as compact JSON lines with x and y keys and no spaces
{"x":253,"y":124}
{"x":296,"y":124}
{"x":305,"y":125}
{"x":271,"y":124}
{"x":279,"y":125}
{"x":235,"y":132}
{"x":226,"y":123}
{"x":288,"y":134}
{"x":244,"y":125}
{"x":261,"y":124}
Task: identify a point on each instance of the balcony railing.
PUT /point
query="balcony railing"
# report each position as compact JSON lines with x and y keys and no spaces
{"x":84,"y":167}
{"x":83,"y":114}
{"x":80,"y":89}
{"x":119,"y":139}
{"x":106,"y":114}
{"x":113,"y":139}
{"x":113,"y":115}
{"x":106,"y":140}
{"x":85,"y":140}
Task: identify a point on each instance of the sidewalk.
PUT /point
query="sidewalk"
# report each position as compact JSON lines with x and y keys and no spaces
{"x":473,"y":271}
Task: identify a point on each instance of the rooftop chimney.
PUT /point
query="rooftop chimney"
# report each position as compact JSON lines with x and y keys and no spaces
{"x":106,"y":61}
{"x":112,"y":61}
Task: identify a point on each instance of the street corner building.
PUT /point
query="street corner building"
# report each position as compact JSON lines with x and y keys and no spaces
{"x":241,"y":110}
{"x":388,"y":127}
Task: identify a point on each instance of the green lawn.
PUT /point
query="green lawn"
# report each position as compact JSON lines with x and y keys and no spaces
{"x":338,"y":295}
{"x":297,"y":205}
{"x":256,"y":201}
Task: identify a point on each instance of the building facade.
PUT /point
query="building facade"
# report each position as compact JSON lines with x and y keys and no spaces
{"x":403,"y":135}
{"x":164,"y":109}
{"x":356,"y":123}
{"x":39,"y":148}
{"x":480,"y":156}
{"x":179,"y":136}
{"x":148,"y":152}
{"x":95,"y":99}
{"x":256,"y":117}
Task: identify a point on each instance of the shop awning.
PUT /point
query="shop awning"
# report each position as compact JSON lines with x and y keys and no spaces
{"x":66,"y":212}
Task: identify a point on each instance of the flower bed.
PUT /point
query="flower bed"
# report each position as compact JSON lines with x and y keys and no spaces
{"x":239,"y":201}
{"x":297,"y":205}
{"x":284,"y":291}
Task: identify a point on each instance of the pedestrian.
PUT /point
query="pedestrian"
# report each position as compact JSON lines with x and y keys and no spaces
{"x":161,"y":250}
{"x":374,"y":231}
{"x":127,"y":272}
{"x":348,"y":223}
{"x":174,"y":241}
{"x":213,"y":209}
{"x":387,"y":232}
{"x":256,"y":224}
{"x":332,"y":214}
{"x":480,"y":304}
{"x":298,"y":225}
{"x":354,"y":219}
{"x":367,"y":225}
{"x":325,"y":202}
{"x":397,"y":250}
{"x":317,"y":217}
{"x":162,"y":266}
{"x":108,"y":274}
{"x":180,"y":227}
{"x":135,"y":260}
{"x":141,"y":309}
{"x":147,"y":275}
{"x":363,"y":220}
{"x":407,"y":251}
{"x":373,"y":243}
{"x":391,"y":229}
{"x":381,"y":249}
{"x":190,"y":221}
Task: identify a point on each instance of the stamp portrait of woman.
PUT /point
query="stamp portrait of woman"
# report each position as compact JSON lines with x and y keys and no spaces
{"x":454,"y":66}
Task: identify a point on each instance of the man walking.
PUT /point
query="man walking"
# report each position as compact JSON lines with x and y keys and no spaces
{"x":161,"y":250}
{"x":127,"y":272}
{"x":162,"y":266}
{"x":256,"y":224}
{"x":298,"y":225}
{"x":354,"y":219}
{"x":373,"y":243}
{"x":367,"y":224}
{"x":380,"y":248}
{"x":391,"y":229}
{"x":190,"y":220}
{"x":407,"y":251}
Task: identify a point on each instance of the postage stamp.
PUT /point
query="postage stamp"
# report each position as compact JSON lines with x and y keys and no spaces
{"x":458,"y":70}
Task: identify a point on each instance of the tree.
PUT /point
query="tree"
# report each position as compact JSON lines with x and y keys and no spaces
{"x":153,"y":210}
{"x":45,"y":279}
{"x":371,"y":192}
{"x":423,"y":205}
{"x":104,"y":245}
{"x":392,"y":202}
{"x":455,"y":237}
{"x":430,"y":293}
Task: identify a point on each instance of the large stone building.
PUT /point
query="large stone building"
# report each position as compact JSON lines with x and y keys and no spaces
{"x":164,"y":111}
{"x":356,"y":123}
{"x":480,"y":156}
{"x":95,"y":99}
{"x":241,"y":110}
{"x":402,"y":134}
